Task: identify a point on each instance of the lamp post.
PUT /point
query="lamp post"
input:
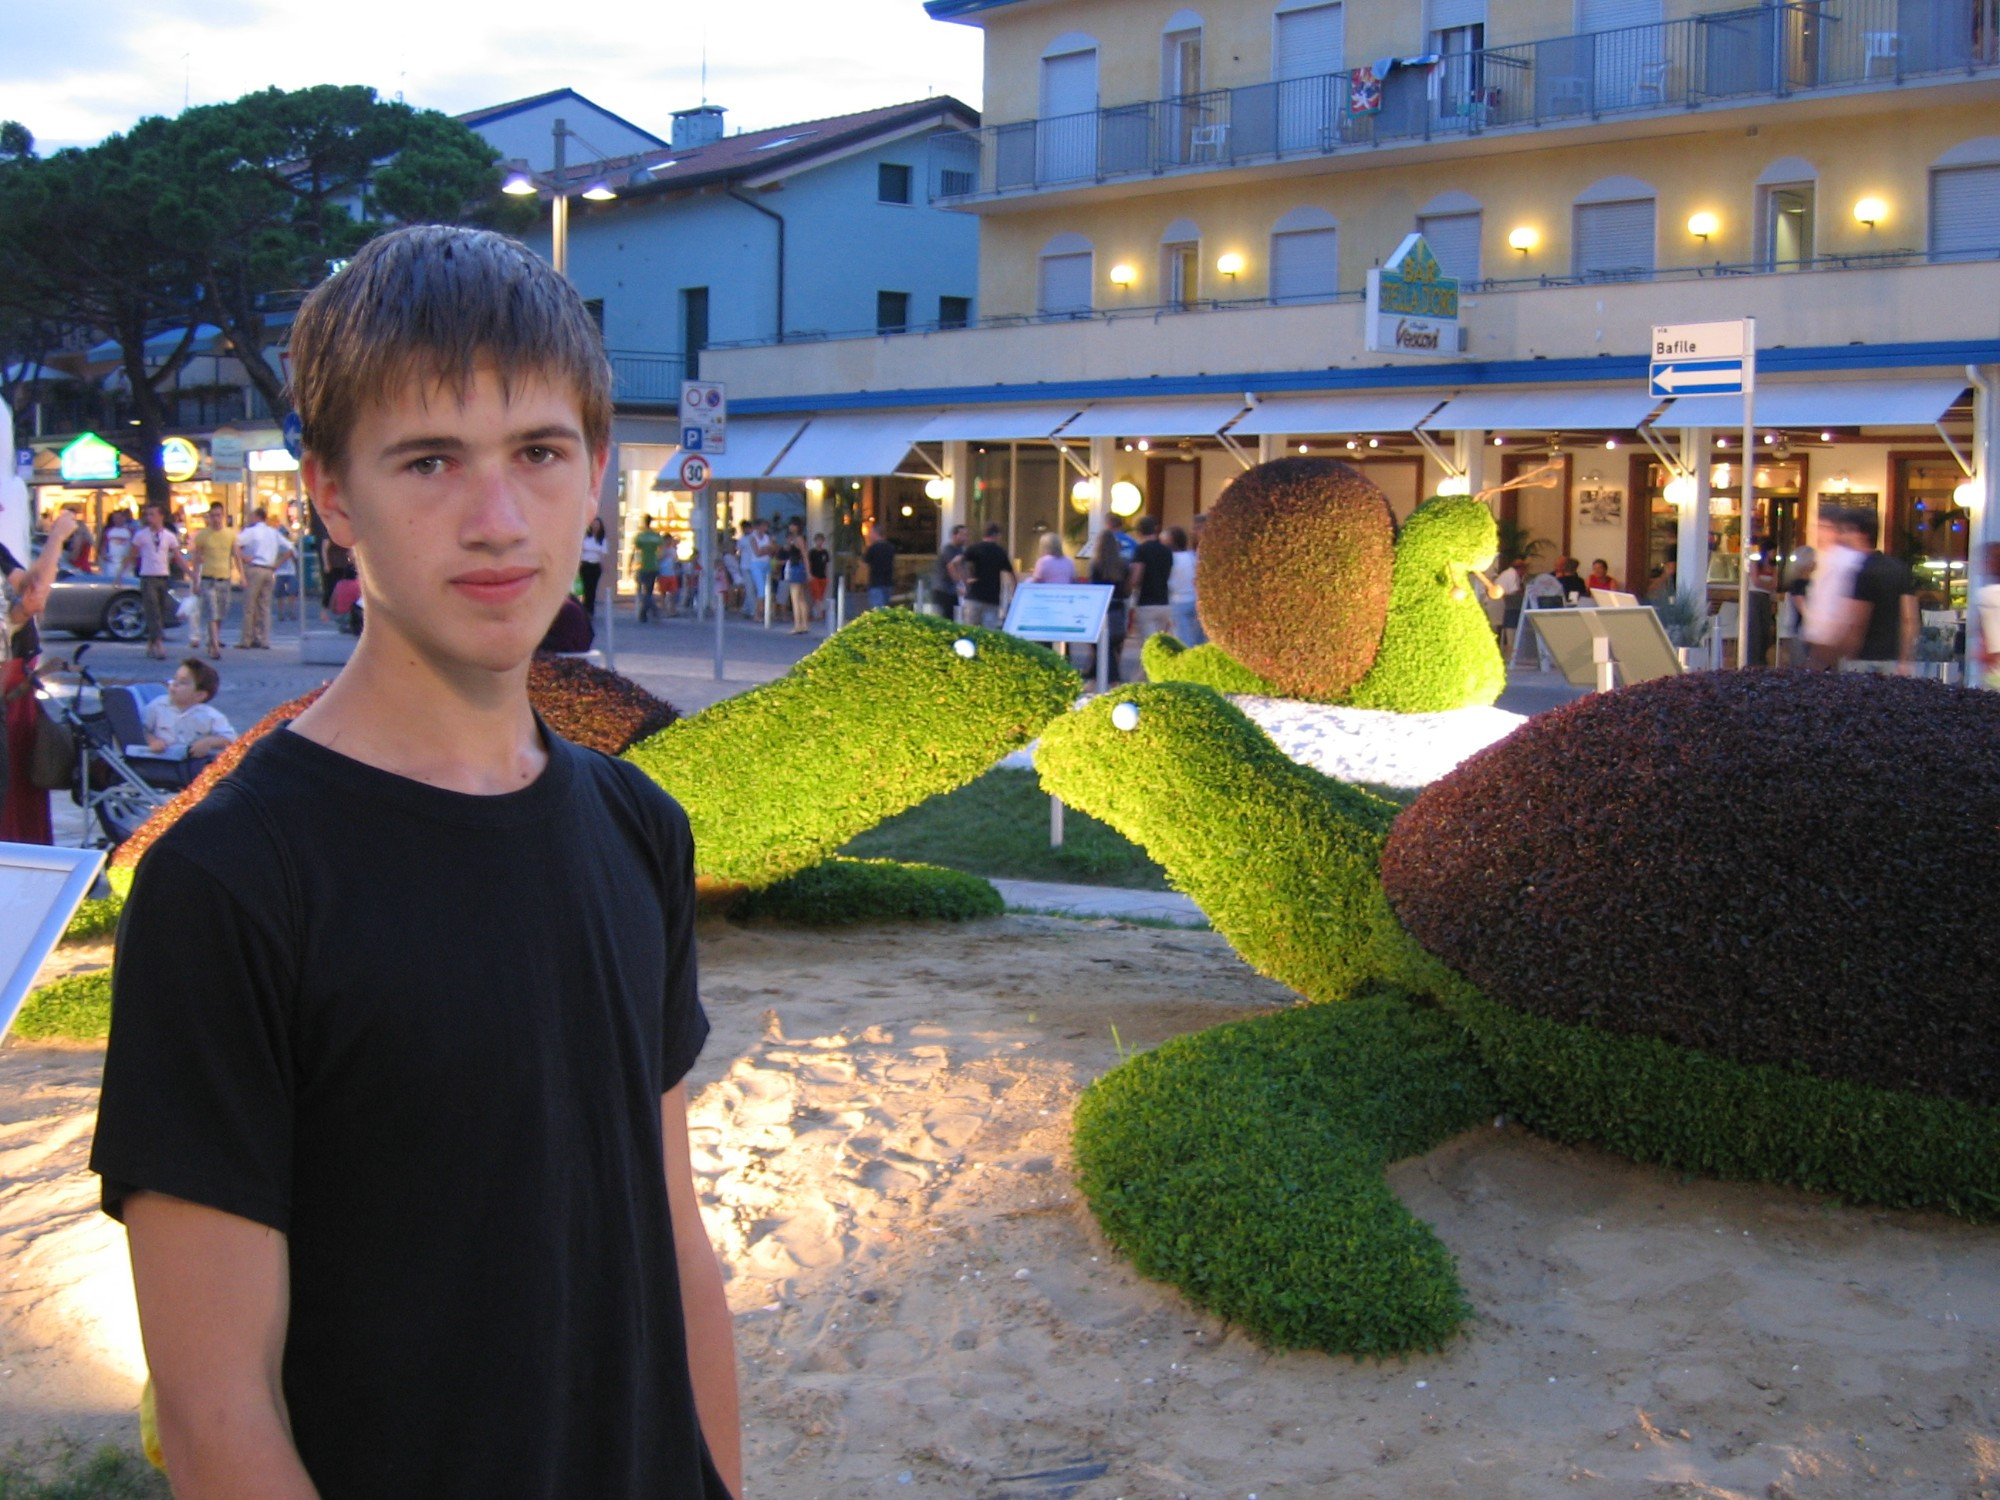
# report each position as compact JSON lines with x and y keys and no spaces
{"x":522,"y":183}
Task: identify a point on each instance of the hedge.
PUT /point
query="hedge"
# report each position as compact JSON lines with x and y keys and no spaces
{"x":883,"y":715}
{"x":1781,"y":868}
{"x":78,"y":1008}
{"x":1281,"y":859}
{"x":1656,"y":1102}
{"x":847,"y":891}
{"x":1293,"y":575}
{"x":1438,"y":651}
{"x":95,"y":919}
{"x":1244,"y":1165}
{"x":1167,"y":660}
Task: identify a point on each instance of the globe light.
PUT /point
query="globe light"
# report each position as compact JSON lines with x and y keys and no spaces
{"x":1523,"y":239}
{"x":938,"y":489}
{"x":1126,"y":498}
{"x":1680,"y":490}
{"x":1082,"y":493}
{"x":1702,"y":225}
{"x":1969,"y":494}
{"x":1230,"y":265}
{"x":1870,"y":211}
{"x":1123,"y":274}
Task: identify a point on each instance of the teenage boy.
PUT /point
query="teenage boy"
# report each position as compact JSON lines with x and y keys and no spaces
{"x":401,"y":1143}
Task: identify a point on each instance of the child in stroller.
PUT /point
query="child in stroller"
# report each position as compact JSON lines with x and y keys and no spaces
{"x":185,"y":724}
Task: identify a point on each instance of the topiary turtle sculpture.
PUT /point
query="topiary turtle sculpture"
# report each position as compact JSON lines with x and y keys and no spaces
{"x":1708,"y":922}
{"x":1310,"y":592}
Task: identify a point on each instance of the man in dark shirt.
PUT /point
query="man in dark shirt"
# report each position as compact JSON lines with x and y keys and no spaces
{"x":1882,"y":634}
{"x":394,"y":1106}
{"x":1152,"y":568}
{"x":985,"y":563}
{"x":947,"y":575}
{"x":879,"y":557}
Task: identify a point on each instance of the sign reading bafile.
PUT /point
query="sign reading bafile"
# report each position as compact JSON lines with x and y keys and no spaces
{"x":1412,"y":304}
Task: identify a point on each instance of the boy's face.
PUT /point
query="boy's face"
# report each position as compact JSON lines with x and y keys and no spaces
{"x":467,"y":517}
{"x":181,"y":690}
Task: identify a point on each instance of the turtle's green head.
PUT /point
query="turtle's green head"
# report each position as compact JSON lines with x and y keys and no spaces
{"x":1449,"y":533}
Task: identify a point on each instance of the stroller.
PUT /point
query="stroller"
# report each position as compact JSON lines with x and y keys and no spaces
{"x":113,"y":781}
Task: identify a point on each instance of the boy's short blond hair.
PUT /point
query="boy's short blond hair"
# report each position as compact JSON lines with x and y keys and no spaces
{"x":432,"y":303}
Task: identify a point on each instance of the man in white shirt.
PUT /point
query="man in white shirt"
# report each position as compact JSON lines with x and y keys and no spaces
{"x":1828,"y":611}
{"x":1989,"y":616}
{"x":259,"y":547}
{"x":155,"y":552}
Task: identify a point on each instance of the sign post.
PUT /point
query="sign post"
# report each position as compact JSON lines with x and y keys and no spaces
{"x":1718,"y":359}
{"x":704,"y":417}
{"x":694,"y":474}
{"x":1069,"y":614}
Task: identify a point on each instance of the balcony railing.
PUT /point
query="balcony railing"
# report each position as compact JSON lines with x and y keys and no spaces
{"x":1751,"y":52}
{"x":641,"y":378}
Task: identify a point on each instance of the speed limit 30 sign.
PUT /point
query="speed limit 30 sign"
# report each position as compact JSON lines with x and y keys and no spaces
{"x":694,"y":471}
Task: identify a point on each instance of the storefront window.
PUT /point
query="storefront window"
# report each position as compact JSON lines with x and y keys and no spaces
{"x":1775,"y":532}
{"x":1930,"y":531}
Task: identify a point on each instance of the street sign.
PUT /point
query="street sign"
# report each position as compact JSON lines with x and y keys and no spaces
{"x":295,"y":435}
{"x":1702,"y":359}
{"x":704,"y":416}
{"x":693,"y":472}
{"x":225,"y":453}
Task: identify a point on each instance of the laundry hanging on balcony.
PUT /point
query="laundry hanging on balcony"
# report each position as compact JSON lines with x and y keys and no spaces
{"x":1364,"y":85}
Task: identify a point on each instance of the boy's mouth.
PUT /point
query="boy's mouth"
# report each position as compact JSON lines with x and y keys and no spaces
{"x":495,"y":585}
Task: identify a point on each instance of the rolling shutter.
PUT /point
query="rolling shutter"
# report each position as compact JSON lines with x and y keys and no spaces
{"x":1454,"y":240}
{"x":1069,"y":84}
{"x":1311,"y":41}
{"x":1305,"y":264}
{"x":1448,"y":15}
{"x":1066,"y":283}
{"x":1965,"y":213}
{"x":1609,"y":15}
{"x":1614,"y":241}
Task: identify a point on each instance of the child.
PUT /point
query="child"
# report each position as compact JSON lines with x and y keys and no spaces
{"x":394,"y":1106}
{"x":186,"y":721}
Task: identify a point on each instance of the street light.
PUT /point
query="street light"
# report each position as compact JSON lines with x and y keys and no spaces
{"x":521,"y":183}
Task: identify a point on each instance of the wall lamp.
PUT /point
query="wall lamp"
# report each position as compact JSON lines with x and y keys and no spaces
{"x":1122,"y":275}
{"x":1702,"y":225}
{"x":1230,"y":265}
{"x":1870,"y":211}
{"x":1523,"y":239}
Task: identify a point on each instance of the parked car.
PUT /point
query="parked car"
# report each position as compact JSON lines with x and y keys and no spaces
{"x":89,"y":604}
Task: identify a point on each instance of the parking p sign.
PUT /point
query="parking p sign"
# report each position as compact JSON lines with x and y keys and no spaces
{"x":704,"y":416}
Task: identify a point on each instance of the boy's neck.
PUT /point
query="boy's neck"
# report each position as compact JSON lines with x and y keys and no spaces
{"x":460,"y":728}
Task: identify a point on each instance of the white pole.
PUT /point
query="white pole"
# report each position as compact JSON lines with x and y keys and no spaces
{"x":711,"y":574}
{"x":615,"y":551}
{"x":1055,"y":822}
{"x":1749,"y":506}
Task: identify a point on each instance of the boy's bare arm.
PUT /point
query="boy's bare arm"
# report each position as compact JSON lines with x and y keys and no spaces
{"x":214,"y":1293}
{"x":711,"y":1338}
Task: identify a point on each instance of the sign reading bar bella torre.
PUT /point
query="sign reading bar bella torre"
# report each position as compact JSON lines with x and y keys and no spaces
{"x":1412,"y":304}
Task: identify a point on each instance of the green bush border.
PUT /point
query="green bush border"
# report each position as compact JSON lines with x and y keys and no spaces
{"x":95,"y":919}
{"x":77,"y":1008}
{"x":845,"y":891}
{"x":1244,"y":1165}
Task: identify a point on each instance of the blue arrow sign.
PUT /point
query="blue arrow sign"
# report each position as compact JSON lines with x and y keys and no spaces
{"x":1698,"y":377}
{"x":295,"y":434}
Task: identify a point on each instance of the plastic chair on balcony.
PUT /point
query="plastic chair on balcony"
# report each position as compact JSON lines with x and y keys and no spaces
{"x":1212,"y":139}
{"x":1883,"y":46}
{"x":1651,"y":82}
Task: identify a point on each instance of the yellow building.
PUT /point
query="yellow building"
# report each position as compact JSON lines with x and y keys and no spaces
{"x":1180,"y":211}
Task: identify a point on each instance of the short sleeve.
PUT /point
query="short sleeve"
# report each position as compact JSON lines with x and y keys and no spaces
{"x":684,"y":1024}
{"x":198,"y":1075}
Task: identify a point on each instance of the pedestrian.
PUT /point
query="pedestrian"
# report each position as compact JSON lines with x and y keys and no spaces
{"x":946,"y":576}
{"x":79,"y":551}
{"x":1127,"y":543}
{"x":879,"y":558}
{"x":258,"y":548}
{"x":186,"y":723}
{"x":1987,"y":600}
{"x":157,"y":557}
{"x":285,"y":576}
{"x":759,"y":560}
{"x":214,"y":548}
{"x":819,"y":564}
{"x":792,"y":555}
{"x":1108,"y":565}
{"x":24,"y":592}
{"x":590,"y":564}
{"x":394,"y":1105}
{"x":336,"y":566}
{"x":984,"y":565}
{"x":1053,"y":564}
{"x":646,"y":560}
{"x":1152,"y":583}
{"x":115,"y":542}
{"x":1181,"y":598}
{"x":1883,"y":621}
{"x":1829,"y":602}
{"x":1600,"y":577}
{"x":746,"y":566}
{"x":1791,"y":621}
{"x":1573,"y":586}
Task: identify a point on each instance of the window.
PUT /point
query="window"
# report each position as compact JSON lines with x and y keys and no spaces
{"x":1305,"y":256}
{"x":892,"y":312}
{"x":1788,"y":225}
{"x":1180,"y":273}
{"x":1454,"y":240}
{"x":1065,"y":276}
{"x":1615,"y":231}
{"x":892,"y":183}
{"x":1309,"y":47}
{"x":954,"y":312}
{"x":595,"y":307}
{"x":694,"y":327}
{"x":1965,"y":213}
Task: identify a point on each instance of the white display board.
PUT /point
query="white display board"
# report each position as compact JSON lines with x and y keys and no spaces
{"x":40,"y":890}
{"x":1067,"y":612}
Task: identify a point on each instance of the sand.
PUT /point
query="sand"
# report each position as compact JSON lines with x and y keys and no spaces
{"x":924,"y":1306}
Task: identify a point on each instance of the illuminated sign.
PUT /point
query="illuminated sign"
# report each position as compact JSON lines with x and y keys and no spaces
{"x":270,"y":461}
{"x":1412,"y":304}
{"x":180,"y":459}
{"x":90,"y":460}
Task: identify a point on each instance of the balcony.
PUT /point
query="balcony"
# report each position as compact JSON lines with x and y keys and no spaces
{"x":643,"y":378}
{"x":1749,"y":54}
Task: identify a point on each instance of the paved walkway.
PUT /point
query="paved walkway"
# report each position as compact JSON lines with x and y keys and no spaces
{"x":1100,"y":901}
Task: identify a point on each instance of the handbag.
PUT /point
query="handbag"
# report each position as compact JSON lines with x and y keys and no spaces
{"x":52,"y":765}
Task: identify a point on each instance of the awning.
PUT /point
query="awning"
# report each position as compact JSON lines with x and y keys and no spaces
{"x":1151,"y":419}
{"x":754,"y":445}
{"x":1284,"y":415}
{"x":852,"y":443}
{"x":1825,"y":403}
{"x":998,"y":424}
{"x":1548,"y":408}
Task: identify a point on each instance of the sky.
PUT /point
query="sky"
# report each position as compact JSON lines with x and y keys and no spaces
{"x":75,"y":71}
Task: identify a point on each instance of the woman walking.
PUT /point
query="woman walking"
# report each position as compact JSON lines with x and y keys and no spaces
{"x":1108,"y":565}
{"x":591,"y":569}
{"x":793,"y":558}
{"x":1180,"y":590}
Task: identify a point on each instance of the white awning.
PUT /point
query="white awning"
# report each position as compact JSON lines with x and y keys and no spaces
{"x":873,"y":442}
{"x":1398,"y":411}
{"x":1548,"y":408}
{"x":998,"y":424}
{"x":754,"y":445}
{"x":1151,"y":419}
{"x":1824,"y":403}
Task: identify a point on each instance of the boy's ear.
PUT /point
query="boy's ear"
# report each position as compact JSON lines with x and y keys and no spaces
{"x":329,"y":497}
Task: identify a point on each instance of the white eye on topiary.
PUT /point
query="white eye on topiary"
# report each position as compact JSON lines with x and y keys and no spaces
{"x":965,"y":647}
{"x":1125,"y":716}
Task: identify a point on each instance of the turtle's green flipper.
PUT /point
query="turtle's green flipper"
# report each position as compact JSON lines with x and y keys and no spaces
{"x":890,"y":711}
{"x":1167,"y":660}
{"x":1284,"y":861}
{"x":1438,"y":650}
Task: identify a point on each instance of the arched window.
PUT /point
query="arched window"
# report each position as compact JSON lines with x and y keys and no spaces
{"x":1965,"y":201}
{"x":1064,"y":277}
{"x":1451,"y":224}
{"x":1615,"y":230}
{"x":1180,"y":264}
{"x":1787,"y":217}
{"x":1305,"y":256}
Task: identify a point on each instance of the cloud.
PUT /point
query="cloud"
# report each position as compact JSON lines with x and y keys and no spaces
{"x":769,"y":61}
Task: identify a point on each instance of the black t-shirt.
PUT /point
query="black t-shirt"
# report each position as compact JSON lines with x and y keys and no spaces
{"x":1157,"y":558}
{"x":817,"y":561}
{"x":1883,"y":583}
{"x":985,"y":562}
{"x":941,"y":580}
{"x":425,"y":1035}
{"x":881,"y":560}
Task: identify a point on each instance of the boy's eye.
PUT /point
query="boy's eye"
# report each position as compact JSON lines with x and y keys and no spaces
{"x":428,"y":465}
{"x":539,"y":453}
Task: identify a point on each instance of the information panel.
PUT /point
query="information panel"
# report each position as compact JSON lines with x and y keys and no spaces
{"x":1072,"y":612}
